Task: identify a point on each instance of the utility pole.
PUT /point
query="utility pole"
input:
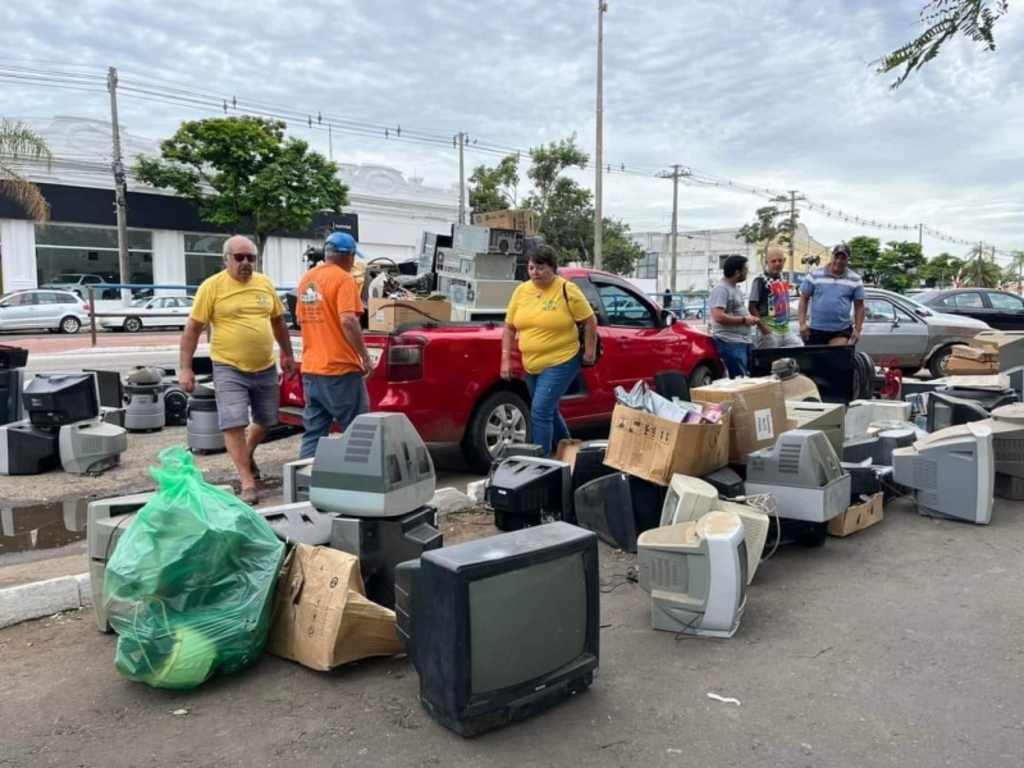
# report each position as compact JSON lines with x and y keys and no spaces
{"x":330,"y":143}
{"x":461,"y":139}
{"x":676,"y":173}
{"x":792,"y":234}
{"x":602,"y":9}
{"x":120,"y":193}
{"x":920,"y":235}
{"x":978,"y":265}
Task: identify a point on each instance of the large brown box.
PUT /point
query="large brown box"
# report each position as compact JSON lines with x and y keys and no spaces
{"x":654,"y":449}
{"x":520,"y":219}
{"x":758,"y":413}
{"x":858,"y":517}
{"x":389,"y":314}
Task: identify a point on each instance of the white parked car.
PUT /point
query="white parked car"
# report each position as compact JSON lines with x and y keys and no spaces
{"x":37,"y":309}
{"x":157,"y":312}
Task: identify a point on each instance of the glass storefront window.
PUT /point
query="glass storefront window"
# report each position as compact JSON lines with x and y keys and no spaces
{"x":64,"y":250}
{"x":203,"y":257}
{"x":212,"y":244}
{"x":91,"y":237}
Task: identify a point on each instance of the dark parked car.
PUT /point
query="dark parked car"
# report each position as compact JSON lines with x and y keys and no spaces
{"x":1000,"y":309}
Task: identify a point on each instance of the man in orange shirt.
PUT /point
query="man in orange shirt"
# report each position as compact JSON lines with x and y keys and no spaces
{"x":335,"y":360}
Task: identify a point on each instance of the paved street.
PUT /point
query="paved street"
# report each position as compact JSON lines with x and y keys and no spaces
{"x":901,"y":645}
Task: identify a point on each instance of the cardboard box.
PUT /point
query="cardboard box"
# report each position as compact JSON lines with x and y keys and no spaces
{"x":321,"y":616}
{"x":654,"y":449}
{"x":567,"y":450}
{"x":858,"y":517}
{"x":758,"y":412}
{"x":989,"y":353}
{"x":958,"y":366}
{"x":389,"y":314}
{"x":520,"y":219}
{"x":1008,"y":345}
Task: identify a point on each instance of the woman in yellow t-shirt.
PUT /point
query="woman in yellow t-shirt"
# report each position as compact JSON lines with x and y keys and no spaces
{"x":544,"y":311}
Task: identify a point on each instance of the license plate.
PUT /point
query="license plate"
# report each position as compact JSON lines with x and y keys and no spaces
{"x":375,"y":354}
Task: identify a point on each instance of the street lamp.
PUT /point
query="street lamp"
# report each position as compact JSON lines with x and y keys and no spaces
{"x":602,"y":9}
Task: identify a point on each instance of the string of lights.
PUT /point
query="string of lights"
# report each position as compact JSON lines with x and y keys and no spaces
{"x":155,"y":89}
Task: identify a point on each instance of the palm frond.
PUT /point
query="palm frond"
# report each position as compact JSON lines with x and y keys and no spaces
{"x":21,"y":143}
{"x":24,"y":193}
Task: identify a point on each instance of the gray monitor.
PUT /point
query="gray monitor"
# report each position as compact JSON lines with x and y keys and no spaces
{"x":1007,"y":425}
{"x":953,"y":472}
{"x":91,"y":447}
{"x":379,"y":467}
{"x":801,"y":457}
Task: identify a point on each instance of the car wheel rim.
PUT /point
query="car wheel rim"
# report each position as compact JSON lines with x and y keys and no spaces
{"x":944,"y":363}
{"x":131,"y":325}
{"x":70,"y":326}
{"x":506,"y":424}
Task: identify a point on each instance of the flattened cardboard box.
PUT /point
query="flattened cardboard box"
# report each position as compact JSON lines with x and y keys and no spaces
{"x":388,"y":314}
{"x":858,"y":517}
{"x":520,"y":219}
{"x":758,"y":413}
{"x":322,"y":617}
{"x":654,"y":449}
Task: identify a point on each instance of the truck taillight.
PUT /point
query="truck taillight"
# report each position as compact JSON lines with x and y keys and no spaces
{"x":85,"y":308}
{"x":405,"y":358}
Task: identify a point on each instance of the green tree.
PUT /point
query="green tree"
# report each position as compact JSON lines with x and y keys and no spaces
{"x":494,"y":189}
{"x":19,"y":144}
{"x":980,"y":271}
{"x":770,"y":226}
{"x":940,"y":270}
{"x":1014,"y":272}
{"x":943,"y":21}
{"x":619,"y":253}
{"x":898,"y":267}
{"x":242,"y":174}
{"x":552,"y":191}
{"x":864,"y":254}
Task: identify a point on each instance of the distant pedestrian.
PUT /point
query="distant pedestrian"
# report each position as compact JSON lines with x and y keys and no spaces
{"x":667,"y":299}
{"x":730,"y":320}
{"x":545,"y":312}
{"x":247,"y":317}
{"x":769,"y":303}
{"x":335,"y":360}
{"x":830,"y":291}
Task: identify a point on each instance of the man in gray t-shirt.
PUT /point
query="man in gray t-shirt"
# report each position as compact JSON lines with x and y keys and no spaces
{"x":730,"y":320}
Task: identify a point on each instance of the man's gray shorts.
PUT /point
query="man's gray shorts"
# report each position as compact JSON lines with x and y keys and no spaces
{"x":776,"y":340}
{"x":238,"y":391}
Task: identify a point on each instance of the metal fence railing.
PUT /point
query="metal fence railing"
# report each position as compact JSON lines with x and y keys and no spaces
{"x":687,"y":305}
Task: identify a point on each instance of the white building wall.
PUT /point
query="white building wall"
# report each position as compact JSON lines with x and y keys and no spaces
{"x":168,"y":260}
{"x":18,"y":254}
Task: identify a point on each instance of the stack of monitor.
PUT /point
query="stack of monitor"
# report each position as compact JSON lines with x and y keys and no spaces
{"x":64,"y":426}
{"x":478,"y":272}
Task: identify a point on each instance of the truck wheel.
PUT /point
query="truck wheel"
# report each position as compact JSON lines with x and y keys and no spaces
{"x":938,"y":362}
{"x":500,"y":418}
{"x":702,"y":376}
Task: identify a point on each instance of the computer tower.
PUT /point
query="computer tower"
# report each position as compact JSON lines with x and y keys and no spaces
{"x":452,"y":262}
{"x":26,"y":450}
{"x":299,"y":523}
{"x":486,"y":240}
{"x":12,"y":384}
{"x":381,"y":544}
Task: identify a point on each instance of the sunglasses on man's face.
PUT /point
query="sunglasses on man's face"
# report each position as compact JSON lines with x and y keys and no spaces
{"x":240,"y":257}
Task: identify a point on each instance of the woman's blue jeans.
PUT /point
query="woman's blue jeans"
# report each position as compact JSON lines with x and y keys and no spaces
{"x":546,"y":390}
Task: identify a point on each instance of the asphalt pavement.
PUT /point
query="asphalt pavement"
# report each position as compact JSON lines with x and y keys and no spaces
{"x":901,"y":645}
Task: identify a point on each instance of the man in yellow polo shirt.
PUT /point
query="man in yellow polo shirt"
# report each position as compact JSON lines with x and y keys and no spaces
{"x":247,"y":316}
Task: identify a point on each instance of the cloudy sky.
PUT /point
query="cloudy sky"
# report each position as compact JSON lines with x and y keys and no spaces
{"x":777,"y":94}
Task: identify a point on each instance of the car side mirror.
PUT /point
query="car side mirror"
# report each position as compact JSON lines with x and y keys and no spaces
{"x":896,"y":322}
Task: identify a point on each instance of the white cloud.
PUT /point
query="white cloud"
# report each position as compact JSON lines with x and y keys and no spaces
{"x":777,"y":94}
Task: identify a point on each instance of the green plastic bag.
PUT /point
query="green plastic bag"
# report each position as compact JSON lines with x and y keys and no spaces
{"x":189,"y":588}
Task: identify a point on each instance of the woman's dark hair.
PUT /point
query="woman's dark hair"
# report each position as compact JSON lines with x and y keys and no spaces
{"x":544,"y":254}
{"x":734,"y":265}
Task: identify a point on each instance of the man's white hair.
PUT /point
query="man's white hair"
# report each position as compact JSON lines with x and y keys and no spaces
{"x":226,"y":250}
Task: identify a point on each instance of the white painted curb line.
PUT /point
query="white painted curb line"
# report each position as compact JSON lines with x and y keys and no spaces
{"x":44,"y":598}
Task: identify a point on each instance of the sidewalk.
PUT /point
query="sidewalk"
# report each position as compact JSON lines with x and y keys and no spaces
{"x":82,"y":342}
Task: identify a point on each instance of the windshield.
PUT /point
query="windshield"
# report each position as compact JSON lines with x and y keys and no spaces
{"x":66,"y":279}
{"x":140,"y":302}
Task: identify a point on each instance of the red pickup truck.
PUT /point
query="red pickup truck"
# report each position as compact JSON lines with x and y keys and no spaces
{"x":445,"y":376}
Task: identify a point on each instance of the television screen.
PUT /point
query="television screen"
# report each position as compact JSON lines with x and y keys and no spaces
{"x":830,"y":368}
{"x":58,"y":399}
{"x":508,"y":652}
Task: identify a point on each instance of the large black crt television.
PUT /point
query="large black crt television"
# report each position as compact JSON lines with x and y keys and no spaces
{"x":503,"y":627}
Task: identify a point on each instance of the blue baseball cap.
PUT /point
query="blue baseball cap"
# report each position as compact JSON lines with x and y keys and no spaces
{"x":339,"y":242}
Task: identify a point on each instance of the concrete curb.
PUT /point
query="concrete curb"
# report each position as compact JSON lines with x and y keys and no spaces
{"x":44,"y":598}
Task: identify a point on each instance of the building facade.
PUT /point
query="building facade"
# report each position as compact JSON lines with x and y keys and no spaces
{"x":168,"y":243}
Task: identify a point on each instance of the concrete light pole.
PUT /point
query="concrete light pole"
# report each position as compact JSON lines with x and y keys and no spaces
{"x":602,"y":9}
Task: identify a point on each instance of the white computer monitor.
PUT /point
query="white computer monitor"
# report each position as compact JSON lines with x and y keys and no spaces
{"x":696,"y":574}
{"x":953,"y":472}
{"x":688,"y":499}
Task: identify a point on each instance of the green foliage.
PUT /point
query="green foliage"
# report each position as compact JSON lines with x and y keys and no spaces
{"x":979,"y":271}
{"x":19,"y":144}
{"x":553,"y":193}
{"x":864,"y":254}
{"x":940,"y":270}
{"x":494,"y":189}
{"x":242,"y":174}
{"x":770,"y":225}
{"x":898,"y":267}
{"x":619,"y":254}
{"x":944,"y":20}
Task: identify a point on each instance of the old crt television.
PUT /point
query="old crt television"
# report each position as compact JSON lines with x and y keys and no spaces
{"x":989,"y":399}
{"x":1007,"y":425}
{"x":525,"y":486}
{"x":618,"y":508}
{"x":12,"y":384}
{"x":56,"y":399}
{"x":948,"y":411}
{"x":379,"y":467}
{"x":502,"y":627}
{"x":91,"y":447}
{"x":830,"y":368}
{"x":953,"y":472}
{"x":696,"y":574}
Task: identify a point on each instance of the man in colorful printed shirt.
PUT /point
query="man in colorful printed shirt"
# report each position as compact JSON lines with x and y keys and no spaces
{"x":769,"y":302}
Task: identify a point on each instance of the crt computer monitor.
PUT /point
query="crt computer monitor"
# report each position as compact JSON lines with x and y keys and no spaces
{"x":696,"y":574}
{"x":379,"y":467}
{"x":12,"y":383}
{"x":1007,"y":425}
{"x":953,"y":472}
{"x":528,"y":486}
{"x":502,"y":627}
{"x":945,"y":411}
{"x":58,"y":399}
{"x":618,"y":508}
{"x":830,"y":368}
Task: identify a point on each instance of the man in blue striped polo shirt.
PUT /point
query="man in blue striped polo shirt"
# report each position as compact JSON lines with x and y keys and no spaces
{"x":833,"y":289}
